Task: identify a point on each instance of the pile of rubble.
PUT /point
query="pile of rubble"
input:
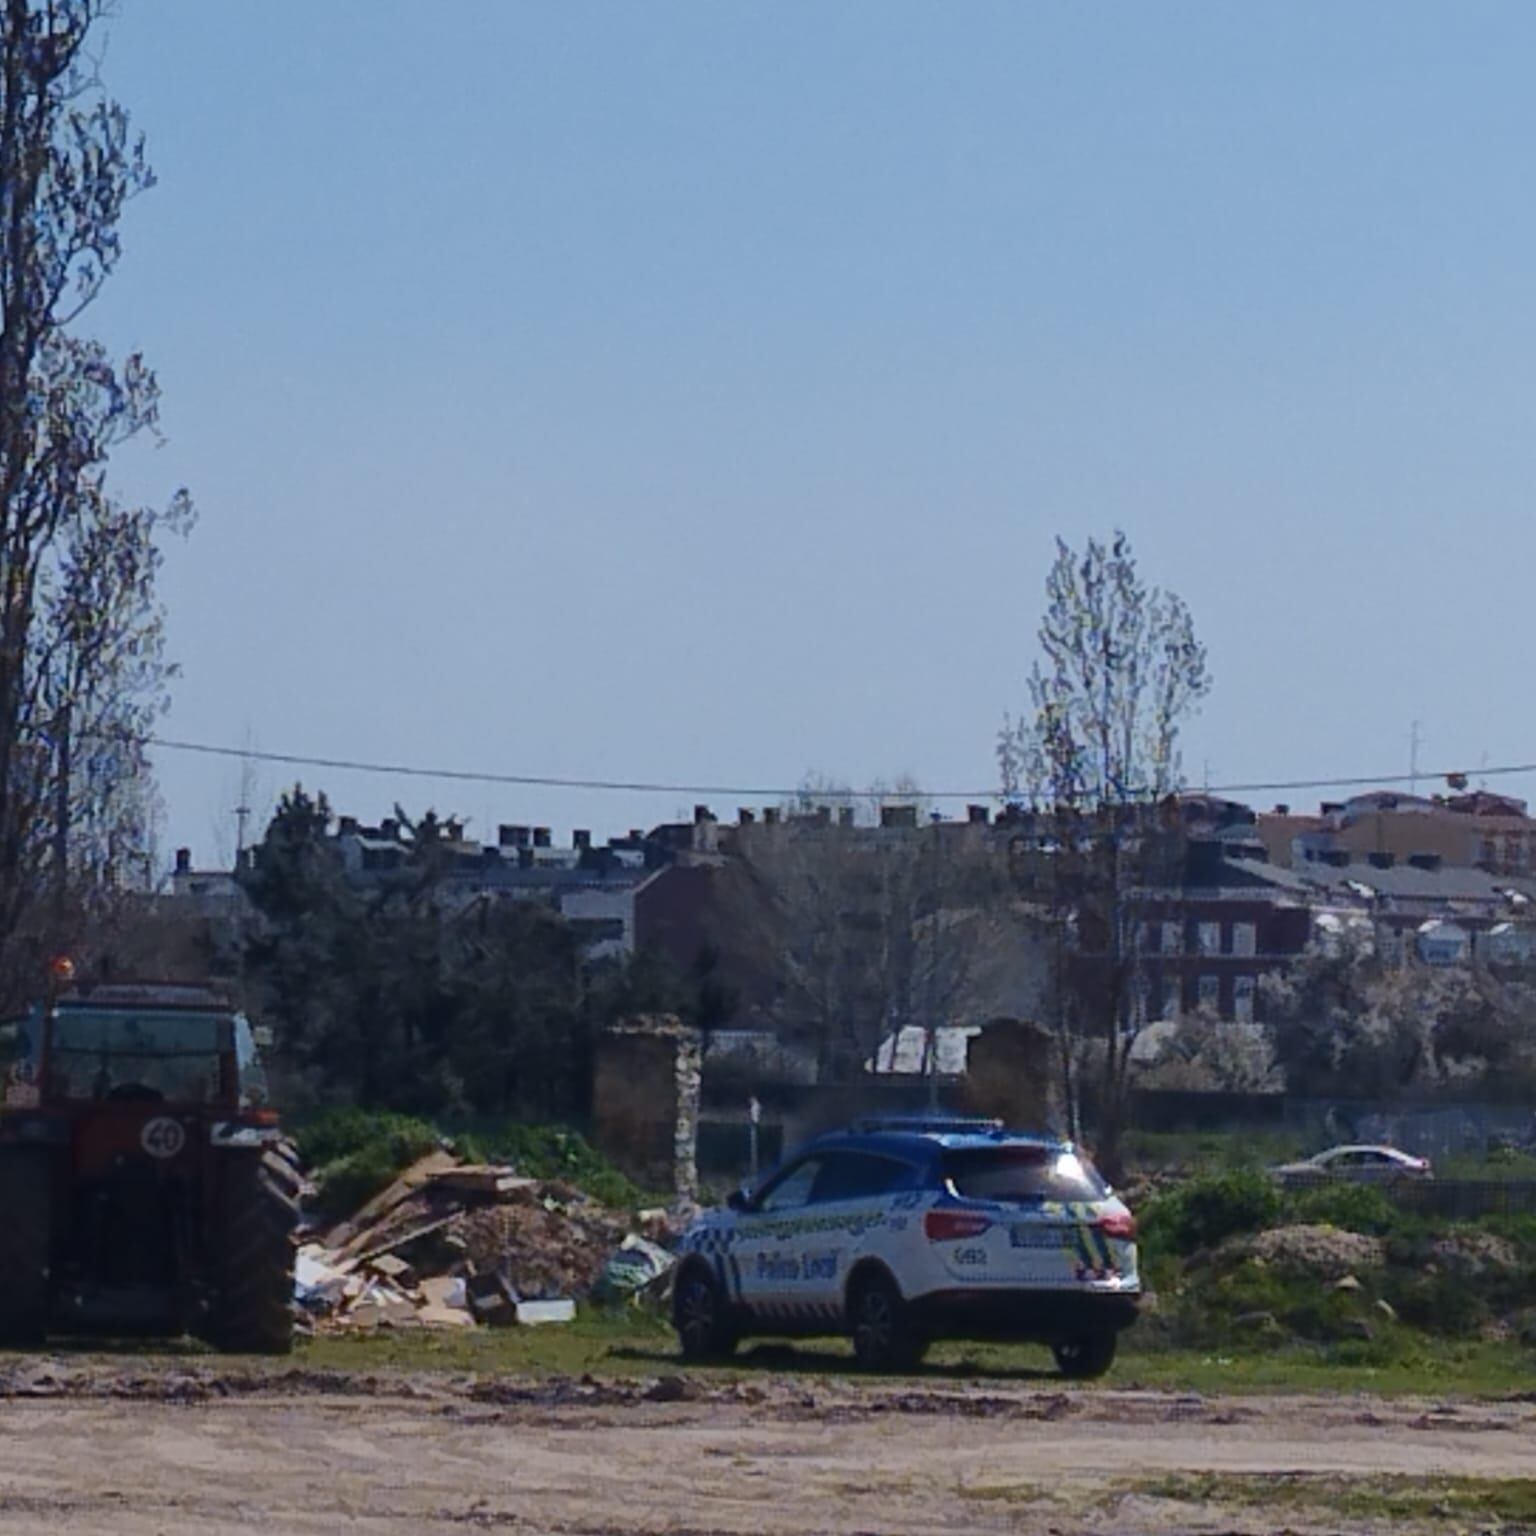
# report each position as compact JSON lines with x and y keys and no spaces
{"x":452,"y":1245}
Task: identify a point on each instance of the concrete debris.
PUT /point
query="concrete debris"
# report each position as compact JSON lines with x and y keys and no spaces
{"x":532,"y":1313}
{"x":452,"y":1245}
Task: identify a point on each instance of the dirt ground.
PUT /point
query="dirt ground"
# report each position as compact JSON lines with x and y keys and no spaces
{"x":165,"y":1450}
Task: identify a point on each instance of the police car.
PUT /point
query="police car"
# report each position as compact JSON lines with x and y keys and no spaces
{"x":900,"y":1232}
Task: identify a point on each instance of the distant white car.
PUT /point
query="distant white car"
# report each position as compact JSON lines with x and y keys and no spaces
{"x":1357,"y":1165}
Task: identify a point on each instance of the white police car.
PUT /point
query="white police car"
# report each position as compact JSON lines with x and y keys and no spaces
{"x":902,"y":1231}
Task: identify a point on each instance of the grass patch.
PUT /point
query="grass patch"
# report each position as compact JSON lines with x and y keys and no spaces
{"x":1402,"y":1497}
{"x":630,"y":1343}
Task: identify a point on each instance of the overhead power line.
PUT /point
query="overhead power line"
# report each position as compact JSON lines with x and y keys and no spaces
{"x":751,"y":792}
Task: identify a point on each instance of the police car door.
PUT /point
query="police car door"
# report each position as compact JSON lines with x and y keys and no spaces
{"x":765,"y":1253}
{"x":850,"y":1214}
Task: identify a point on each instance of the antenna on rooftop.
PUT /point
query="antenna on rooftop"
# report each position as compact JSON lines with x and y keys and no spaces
{"x":1413,"y":759}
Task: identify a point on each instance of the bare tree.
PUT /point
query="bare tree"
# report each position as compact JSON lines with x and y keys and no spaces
{"x":848,"y":934}
{"x":81,"y":658}
{"x":1086,"y":771}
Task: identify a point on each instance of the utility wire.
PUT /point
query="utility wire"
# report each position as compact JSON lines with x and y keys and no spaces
{"x":747,"y":792}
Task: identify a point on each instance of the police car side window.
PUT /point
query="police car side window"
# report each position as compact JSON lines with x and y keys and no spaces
{"x":794,"y":1189}
{"x":859,"y":1176}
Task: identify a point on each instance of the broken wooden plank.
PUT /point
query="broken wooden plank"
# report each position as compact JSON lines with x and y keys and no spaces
{"x":481,"y":1181}
{"x":342,"y":1236}
{"x":401,"y":1239}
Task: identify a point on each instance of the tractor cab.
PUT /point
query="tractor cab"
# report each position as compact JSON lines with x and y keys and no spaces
{"x":137,"y":1141}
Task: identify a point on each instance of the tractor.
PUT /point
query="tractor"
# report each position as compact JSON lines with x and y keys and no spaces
{"x":145,"y":1186}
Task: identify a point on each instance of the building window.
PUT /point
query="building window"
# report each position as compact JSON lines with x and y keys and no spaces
{"x":1173,"y":938}
{"x":1243,"y":990}
{"x":1173,"y":998}
{"x":1514,"y":853}
{"x":1210,"y":938}
{"x":1151,"y":933}
{"x":1244,"y":939}
{"x":1210,"y":993}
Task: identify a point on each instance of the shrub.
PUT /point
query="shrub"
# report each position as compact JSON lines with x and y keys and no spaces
{"x":1205,"y":1211}
{"x":340,"y":1133}
{"x":1437,"y":1303}
{"x":555,"y":1152}
{"x":1353,"y":1207}
{"x":358,"y":1152}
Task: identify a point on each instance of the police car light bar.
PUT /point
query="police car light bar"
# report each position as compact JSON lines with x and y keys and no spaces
{"x":929,"y":1125}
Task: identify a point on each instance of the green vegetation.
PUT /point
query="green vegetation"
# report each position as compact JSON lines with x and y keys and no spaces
{"x":1394,"y":1498}
{"x":1240,"y":1268}
{"x":1208,"y":1151}
{"x":1502,"y":1165}
{"x":1202,"y":1212}
{"x":555,"y":1152}
{"x":356,"y":1152}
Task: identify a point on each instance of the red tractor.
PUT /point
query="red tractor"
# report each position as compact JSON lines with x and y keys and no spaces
{"x":144,"y":1184}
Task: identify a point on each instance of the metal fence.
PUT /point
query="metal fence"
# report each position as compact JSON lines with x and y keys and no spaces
{"x":1468,"y":1199}
{"x":1435,"y":1131}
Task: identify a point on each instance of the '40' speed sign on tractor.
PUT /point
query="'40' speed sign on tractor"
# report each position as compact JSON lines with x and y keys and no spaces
{"x":163,"y":1137}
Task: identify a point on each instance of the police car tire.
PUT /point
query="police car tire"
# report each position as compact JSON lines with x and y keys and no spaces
{"x":881,"y":1325}
{"x":700,"y":1316}
{"x":1089,"y":1356}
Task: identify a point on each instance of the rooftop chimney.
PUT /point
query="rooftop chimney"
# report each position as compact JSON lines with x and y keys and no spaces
{"x":977,"y":815}
{"x":346,"y":826}
{"x":770,"y":815}
{"x":1282,"y":810}
{"x":389,"y":830}
{"x":845,"y":815}
{"x":541,"y":837}
{"x":701,"y":814}
{"x":183,"y":861}
{"x":512,"y":836}
{"x":581,"y":838}
{"x":744,"y":816}
{"x":898,"y":815}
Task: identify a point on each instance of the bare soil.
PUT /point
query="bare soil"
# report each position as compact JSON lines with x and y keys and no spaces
{"x":125,"y":1449}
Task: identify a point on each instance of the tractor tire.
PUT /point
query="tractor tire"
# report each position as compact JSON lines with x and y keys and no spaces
{"x":26,"y":1217}
{"x":254,"y":1311}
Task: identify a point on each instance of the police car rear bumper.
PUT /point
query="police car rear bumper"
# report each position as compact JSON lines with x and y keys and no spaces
{"x":1041,"y":1316}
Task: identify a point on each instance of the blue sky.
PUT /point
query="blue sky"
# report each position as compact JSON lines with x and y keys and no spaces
{"x":693,"y":392}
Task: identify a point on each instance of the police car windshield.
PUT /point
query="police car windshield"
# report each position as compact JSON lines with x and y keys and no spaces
{"x":1022,"y":1173}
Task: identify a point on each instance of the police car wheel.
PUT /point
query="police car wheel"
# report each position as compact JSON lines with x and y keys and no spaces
{"x":883,"y":1336}
{"x":1091,"y":1355}
{"x":704,"y":1330}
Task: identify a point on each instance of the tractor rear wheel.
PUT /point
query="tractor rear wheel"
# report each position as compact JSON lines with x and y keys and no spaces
{"x":26,"y":1216}
{"x":254,"y":1314}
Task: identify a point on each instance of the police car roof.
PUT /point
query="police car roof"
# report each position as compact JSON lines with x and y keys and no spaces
{"x":922,"y":1132}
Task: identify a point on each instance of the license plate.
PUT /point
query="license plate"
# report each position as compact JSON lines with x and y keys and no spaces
{"x":1034,"y":1234}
